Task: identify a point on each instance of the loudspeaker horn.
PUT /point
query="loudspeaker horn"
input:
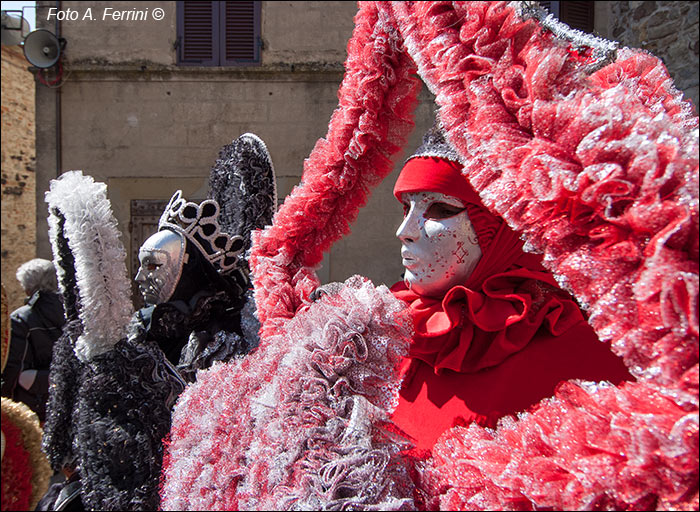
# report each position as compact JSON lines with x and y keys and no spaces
{"x":14,"y":28}
{"x":42,"y":48}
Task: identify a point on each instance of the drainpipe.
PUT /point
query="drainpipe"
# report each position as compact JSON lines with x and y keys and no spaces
{"x":59,"y":157}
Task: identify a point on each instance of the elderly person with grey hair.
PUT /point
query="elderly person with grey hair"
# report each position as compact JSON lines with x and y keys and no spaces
{"x":34,"y":329}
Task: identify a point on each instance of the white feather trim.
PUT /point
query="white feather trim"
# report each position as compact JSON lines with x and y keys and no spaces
{"x":103,"y":287}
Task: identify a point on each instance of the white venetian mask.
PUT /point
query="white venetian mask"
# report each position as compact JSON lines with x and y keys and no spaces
{"x":439,"y":246}
{"x":162,"y":257}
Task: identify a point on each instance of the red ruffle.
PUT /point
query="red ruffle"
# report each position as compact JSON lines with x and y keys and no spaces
{"x":591,"y":447}
{"x":222,"y":453}
{"x":301,"y":422}
{"x":470,"y":330}
{"x":372,"y":122}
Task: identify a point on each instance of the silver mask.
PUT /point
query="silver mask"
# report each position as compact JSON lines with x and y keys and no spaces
{"x":439,"y":246}
{"x":162,"y":258}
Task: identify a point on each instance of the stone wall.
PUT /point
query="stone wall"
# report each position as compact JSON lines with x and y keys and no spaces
{"x":669,"y":30}
{"x":18,"y":170}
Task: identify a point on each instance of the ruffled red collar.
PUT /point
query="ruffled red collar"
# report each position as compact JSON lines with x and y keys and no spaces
{"x":469,"y":330}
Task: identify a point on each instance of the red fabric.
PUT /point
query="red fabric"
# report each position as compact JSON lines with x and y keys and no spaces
{"x":473,"y":341}
{"x":502,"y":304}
{"x":480,"y":355}
{"x":431,"y":174}
{"x":430,"y":404}
{"x":470,"y":330}
{"x":503,"y":252}
{"x":16,"y":468}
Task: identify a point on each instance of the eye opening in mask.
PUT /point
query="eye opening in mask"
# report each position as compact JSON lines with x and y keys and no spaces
{"x":440,"y":210}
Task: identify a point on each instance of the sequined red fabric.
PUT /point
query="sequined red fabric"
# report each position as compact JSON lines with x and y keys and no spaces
{"x":597,"y":170}
{"x":16,"y":468}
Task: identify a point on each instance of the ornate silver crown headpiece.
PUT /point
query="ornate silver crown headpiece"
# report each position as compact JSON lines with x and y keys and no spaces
{"x":200,"y":225}
{"x":434,"y":144}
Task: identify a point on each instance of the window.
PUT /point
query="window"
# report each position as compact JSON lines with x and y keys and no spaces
{"x":578,"y":15}
{"x":218,"y":33}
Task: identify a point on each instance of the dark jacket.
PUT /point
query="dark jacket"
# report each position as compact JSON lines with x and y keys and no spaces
{"x":34,"y":329}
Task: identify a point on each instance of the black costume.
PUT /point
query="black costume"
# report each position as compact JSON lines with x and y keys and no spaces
{"x":114,"y":376}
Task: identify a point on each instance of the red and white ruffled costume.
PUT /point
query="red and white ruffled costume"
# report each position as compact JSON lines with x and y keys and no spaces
{"x":497,"y":343}
{"x":590,"y":154}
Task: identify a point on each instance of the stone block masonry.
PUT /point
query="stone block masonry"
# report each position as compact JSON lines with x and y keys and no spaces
{"x":18,"y":237}
{"x":667,"y":29}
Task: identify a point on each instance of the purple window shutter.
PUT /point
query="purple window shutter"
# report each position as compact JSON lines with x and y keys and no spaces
{"x":198,"y":28}
{"x":241,"y":33}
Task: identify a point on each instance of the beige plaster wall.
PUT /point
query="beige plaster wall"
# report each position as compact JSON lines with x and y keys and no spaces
{"x":299,"y":32}
{"x":133,"y":119}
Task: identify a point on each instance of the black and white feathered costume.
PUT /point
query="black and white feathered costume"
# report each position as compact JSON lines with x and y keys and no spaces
{"x":112,"y":385}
